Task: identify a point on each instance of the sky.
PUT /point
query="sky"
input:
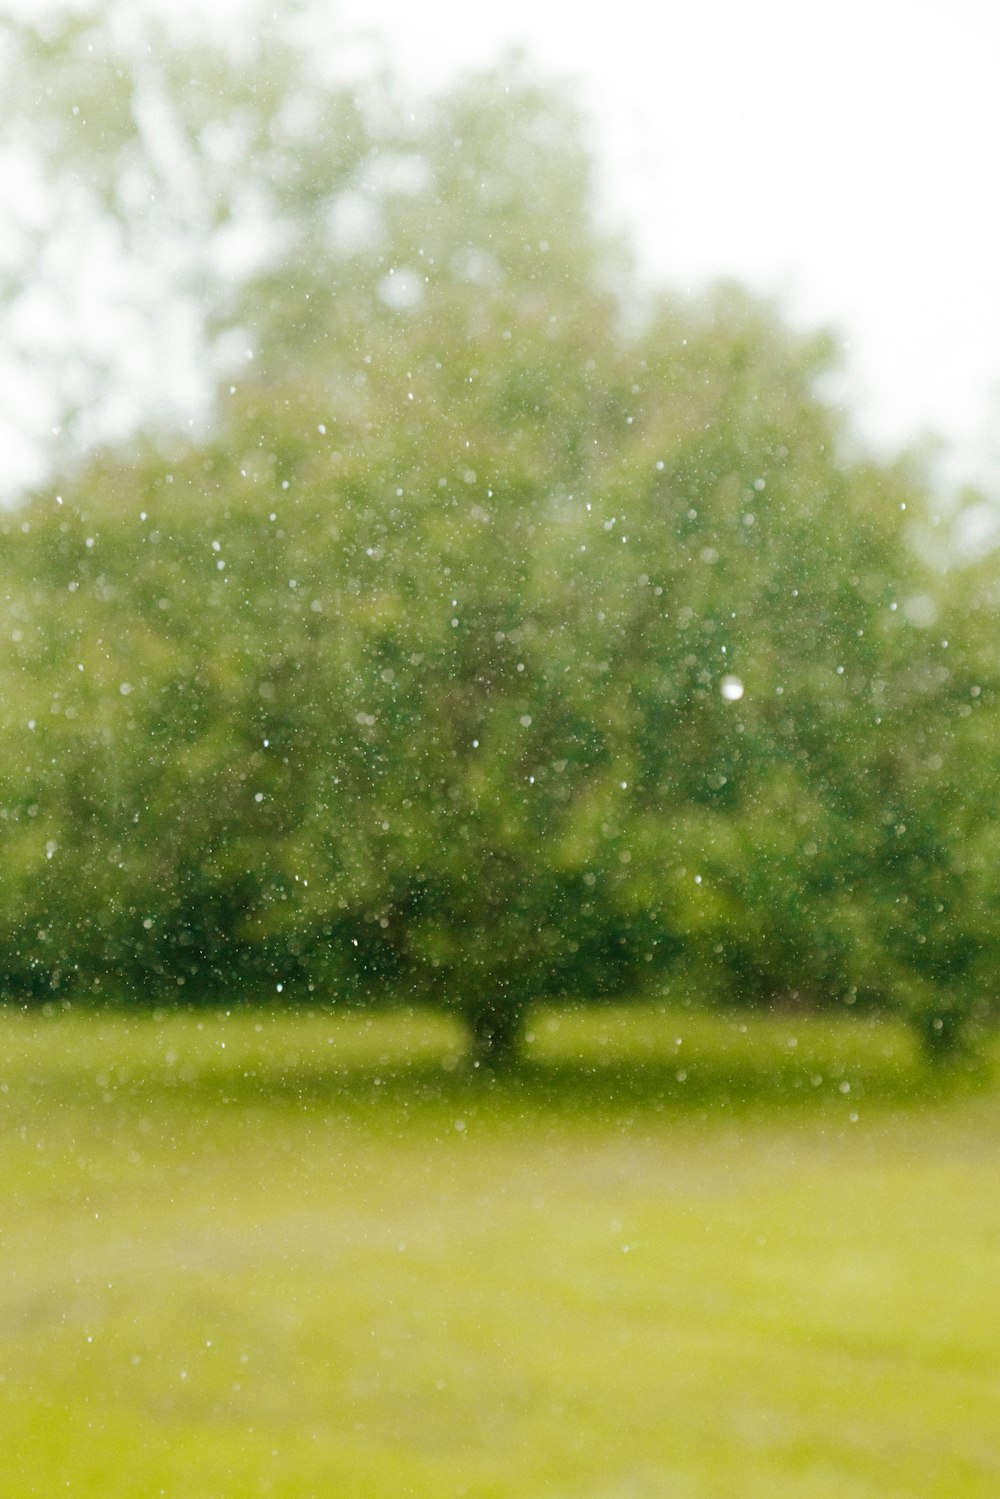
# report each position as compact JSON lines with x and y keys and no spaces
{"x":840,"y":158}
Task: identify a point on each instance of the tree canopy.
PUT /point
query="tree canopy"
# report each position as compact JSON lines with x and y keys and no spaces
{"x":512,"y":631}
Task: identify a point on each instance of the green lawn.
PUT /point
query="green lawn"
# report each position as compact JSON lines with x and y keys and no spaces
{"x":676,"y":1256}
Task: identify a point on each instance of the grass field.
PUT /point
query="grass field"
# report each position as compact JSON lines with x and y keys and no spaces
{"x":676,"y":1257}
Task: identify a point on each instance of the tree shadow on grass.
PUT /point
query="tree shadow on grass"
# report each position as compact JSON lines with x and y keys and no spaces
{"x":605,"y":1089}
{"x":594,"y":1066}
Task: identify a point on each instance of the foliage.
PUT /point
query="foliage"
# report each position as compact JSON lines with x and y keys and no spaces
{"x":512,"y":634}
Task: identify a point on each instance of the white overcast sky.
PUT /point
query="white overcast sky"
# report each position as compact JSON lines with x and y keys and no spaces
{"x":843,"y":157}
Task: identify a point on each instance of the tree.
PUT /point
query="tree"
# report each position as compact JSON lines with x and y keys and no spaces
{"x":511,"y":634}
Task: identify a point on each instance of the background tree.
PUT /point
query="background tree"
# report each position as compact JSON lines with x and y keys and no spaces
{"x":511,"y":634}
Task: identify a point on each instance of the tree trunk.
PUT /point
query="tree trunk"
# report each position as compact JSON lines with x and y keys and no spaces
{"x":495,"y":1027}
{"x":942,"y":1036}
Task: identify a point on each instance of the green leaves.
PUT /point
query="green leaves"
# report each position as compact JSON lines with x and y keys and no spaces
{"x":509,"y":636}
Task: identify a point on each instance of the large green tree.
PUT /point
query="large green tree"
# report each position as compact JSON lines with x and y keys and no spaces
{"x":512,"y":633}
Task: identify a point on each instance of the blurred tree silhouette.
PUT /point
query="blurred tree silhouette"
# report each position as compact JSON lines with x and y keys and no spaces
{"x":514,"y":634}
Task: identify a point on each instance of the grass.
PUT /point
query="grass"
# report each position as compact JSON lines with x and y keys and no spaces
{"x":674,"y":1255}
